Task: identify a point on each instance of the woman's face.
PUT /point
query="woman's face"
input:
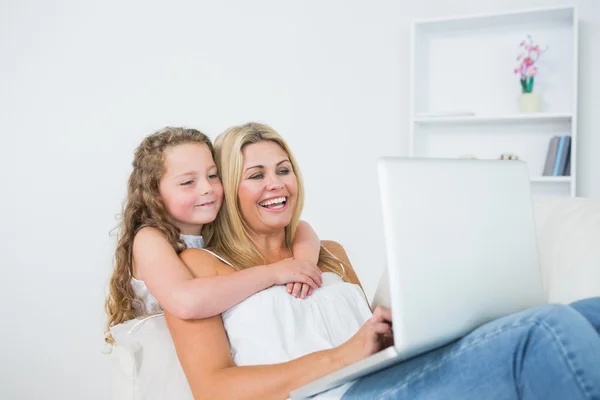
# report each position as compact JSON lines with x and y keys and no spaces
{"x":268,"y":189}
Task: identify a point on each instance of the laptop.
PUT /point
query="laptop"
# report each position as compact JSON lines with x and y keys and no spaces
{"x":461,"y":251}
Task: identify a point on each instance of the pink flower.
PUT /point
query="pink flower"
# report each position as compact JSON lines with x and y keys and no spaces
{"x":528,"y":58}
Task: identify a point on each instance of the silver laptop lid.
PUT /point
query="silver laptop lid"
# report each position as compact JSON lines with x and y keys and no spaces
{"x":460,"y":243}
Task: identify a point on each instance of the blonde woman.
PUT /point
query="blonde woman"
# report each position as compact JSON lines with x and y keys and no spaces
{"x":270,"y":343}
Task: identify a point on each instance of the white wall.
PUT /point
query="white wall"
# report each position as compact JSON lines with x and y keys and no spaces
{"x":82,"y":83}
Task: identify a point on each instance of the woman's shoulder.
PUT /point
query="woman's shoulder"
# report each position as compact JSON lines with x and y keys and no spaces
{"x":336,"y":249}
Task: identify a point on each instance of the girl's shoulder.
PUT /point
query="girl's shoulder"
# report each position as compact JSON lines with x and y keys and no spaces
{"x":150,"y":247}
{"x":148,"y":233}
{"x":149,"y":239}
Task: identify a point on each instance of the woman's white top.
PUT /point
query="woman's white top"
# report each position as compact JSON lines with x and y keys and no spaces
{"x":273,"y":327}
{"x":146,"y":304}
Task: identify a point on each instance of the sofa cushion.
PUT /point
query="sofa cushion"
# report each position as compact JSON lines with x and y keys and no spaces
{"x":569,"y":242}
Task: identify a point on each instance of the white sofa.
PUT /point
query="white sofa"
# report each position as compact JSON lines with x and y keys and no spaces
{"x":145,"y":364}
{"x":569,"y":245}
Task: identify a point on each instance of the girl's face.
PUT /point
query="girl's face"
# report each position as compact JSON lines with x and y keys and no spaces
{"x":268,"y":187}
{"x":190,"y":187}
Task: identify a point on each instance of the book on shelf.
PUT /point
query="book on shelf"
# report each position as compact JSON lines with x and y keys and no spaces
{"x":550,"y":156}
{"x":558,"y":157}
{"x":562,"y":155}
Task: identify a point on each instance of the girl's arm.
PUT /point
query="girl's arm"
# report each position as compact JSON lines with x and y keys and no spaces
{"x":171,"y":283}
{"x":306,"y":244}
{"x":306,"y":247}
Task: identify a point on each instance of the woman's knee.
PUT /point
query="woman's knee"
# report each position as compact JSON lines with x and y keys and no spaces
{"x":590,"y":310}
{"x":554,"y":314}
{"x":592,"y":303}
{"x":560,"y":322}
{"x":561,"y":334}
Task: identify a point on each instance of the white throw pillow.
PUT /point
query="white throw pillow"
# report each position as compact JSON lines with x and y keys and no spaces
{"x":569,"y":242}
{"x":145,"y":364}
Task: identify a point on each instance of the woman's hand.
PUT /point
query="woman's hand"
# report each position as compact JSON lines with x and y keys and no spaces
{"x":300,"y":276}
{"x":373,"y":336}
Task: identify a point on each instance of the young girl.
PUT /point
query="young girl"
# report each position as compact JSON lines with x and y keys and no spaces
{"x":174,"y":193}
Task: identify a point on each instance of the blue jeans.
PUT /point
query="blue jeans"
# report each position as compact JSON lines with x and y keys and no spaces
{"x":549,"y":352}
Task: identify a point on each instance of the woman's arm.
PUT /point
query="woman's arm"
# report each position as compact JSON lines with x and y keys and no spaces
{"x":170,"y":281}
{"x":204,"y":354}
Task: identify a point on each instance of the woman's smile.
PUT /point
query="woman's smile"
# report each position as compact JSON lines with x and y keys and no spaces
{"x":275,"y":204}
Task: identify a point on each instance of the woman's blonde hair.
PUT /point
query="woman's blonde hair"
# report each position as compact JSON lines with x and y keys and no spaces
{"x":230,"y":236}
{"x":144,"y":207}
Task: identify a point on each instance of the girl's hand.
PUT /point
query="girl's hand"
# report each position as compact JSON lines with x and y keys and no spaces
{"x":299,"y":273}
{"x":373,"y":336}
{"x":298,"y":289}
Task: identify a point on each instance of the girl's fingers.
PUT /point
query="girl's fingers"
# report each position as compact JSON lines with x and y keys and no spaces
{"x":315,"y":274}
{"x":296,"y":289}
{"x":312,"y":270}
{"x":320,"y":275}
{"x":308,"y":280}
{"x":304,"y":290}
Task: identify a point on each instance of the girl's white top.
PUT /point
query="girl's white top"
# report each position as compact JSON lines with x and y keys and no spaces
{"x":273,"y":327}
{"x":145,"y":303}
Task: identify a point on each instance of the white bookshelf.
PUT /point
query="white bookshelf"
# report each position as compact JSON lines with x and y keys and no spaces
{"x":464,"y":92}
{"x":507,"y":118}
{"x":557,"y":179}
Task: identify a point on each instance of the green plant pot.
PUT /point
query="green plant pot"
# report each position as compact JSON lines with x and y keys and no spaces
{"x":529,"y":102}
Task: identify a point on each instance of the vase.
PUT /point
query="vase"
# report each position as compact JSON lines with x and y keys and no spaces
{"x":529,"y":102}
